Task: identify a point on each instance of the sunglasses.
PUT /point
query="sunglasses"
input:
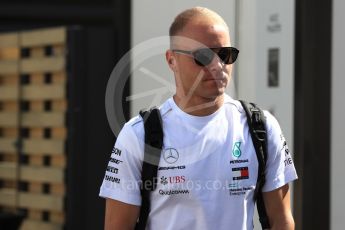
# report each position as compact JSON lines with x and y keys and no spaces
{"x":204,"y":56}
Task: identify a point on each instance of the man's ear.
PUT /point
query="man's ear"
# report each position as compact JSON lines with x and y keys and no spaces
{"x":170,"y":58}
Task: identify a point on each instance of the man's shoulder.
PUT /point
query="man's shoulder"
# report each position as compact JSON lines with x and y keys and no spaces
{"x":234,"y":106}
{"x":271,"y":121}
{"x":137,"y":123}
{"x":232,"y":103}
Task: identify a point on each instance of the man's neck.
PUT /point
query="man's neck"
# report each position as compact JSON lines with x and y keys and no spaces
{"x":199,"y":106}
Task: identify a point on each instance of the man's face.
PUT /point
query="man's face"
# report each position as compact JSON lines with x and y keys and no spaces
{"x":196,"y":81}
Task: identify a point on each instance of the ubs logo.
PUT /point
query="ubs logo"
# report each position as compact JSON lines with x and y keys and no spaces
{"x":170,"y":155}
{"x":173,"y":180}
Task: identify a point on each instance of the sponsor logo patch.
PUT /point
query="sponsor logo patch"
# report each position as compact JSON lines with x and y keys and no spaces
{"x":237,"y":191}
{"x":170,"y":155}
{"x":172,"y":167}
{"x":239,"y":161}
{"x":172,"y":180}
{"x":288,"y":160}
{"x":116,"y":151}
{"x":112,"y":169}
{"x":236,"y":149}
{"x":240,"y":173}
{"x":173,"y":192}
{"x":112,"y":179}
{"x":116,"y":161}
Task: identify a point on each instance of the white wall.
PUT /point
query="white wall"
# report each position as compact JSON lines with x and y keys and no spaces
{"x":338,"y":115}
{"x":152,"y":81}
{"x":263,"y":25}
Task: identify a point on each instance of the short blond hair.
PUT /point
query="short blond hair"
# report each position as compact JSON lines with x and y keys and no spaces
{"x":182,"y":19}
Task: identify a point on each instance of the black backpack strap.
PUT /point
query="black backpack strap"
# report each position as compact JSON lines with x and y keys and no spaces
{"x":257,"y":126}
{"x":152,"y":151}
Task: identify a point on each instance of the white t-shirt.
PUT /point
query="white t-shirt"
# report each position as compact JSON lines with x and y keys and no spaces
{"x":207,"y":171}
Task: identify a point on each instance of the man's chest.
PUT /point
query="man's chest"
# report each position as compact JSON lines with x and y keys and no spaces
{"x":224,"y":166}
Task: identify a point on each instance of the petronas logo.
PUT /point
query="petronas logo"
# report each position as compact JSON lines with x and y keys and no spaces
{"x":236,"y":150}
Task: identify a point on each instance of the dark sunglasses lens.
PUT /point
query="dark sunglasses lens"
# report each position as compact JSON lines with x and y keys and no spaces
{"x":225,"y":55}
{"x":233,"y":55}
{"x":203,"y":57}
{"x":228,"y":54}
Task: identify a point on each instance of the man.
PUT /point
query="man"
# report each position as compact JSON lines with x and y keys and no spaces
{"x":208,"y":168}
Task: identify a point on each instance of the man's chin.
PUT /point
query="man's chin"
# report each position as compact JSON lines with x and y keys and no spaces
{"x":215,"y":94}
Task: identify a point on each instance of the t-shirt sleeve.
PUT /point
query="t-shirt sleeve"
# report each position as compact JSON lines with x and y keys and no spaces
{"x":280,"y":168}
{"x":123,"y":173}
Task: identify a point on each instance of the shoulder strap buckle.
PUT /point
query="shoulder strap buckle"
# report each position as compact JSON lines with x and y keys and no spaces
{"x":257,"y":127}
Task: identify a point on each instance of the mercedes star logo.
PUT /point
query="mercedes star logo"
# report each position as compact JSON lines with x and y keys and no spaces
{"x":170,"y":155}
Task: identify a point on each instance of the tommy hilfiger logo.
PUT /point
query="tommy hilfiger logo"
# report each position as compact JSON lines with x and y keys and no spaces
{"x":236,"y":149}
{"x":240,"y":173}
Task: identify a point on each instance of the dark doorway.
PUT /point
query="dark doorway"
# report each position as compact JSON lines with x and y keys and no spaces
{"x":312,"y":113}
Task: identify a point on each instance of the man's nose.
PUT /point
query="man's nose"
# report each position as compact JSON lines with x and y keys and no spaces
{"x":216,"y":64}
